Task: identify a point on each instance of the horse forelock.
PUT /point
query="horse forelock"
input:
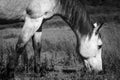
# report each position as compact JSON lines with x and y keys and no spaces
{"x":76,"y":16}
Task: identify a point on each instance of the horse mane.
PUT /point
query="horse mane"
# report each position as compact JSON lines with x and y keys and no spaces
{"x":74,"y":12}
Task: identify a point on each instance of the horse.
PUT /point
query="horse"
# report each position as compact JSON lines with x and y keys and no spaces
{"x":73,"y":12}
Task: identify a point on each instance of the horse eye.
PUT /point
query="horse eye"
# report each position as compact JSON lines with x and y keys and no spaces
{"x":99,"y":46}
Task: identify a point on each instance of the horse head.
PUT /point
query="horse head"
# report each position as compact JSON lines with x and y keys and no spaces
{"x":91,"y":49}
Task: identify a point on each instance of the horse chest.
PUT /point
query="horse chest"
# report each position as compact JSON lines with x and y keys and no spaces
{"x":41,"y":7}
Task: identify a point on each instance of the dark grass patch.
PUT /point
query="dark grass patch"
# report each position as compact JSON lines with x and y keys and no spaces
{"x":105,"y":18}
{"x":102,"y":9}
{"x":14,"y":25}
{"x":62,"y":48}
{"x":10,"y":36}
{"x":111,"y":47}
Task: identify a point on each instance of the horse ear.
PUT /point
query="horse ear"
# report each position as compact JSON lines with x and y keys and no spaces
{"x":97,"y":27}
{"x":95,"y":24}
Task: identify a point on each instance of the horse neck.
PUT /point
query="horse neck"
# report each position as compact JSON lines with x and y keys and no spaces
{"x":74,"y":13}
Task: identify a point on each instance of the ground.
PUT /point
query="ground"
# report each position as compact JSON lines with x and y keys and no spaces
{"x":58,"y":55}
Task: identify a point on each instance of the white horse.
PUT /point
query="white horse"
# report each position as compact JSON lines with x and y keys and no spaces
{"x":74,"y":13}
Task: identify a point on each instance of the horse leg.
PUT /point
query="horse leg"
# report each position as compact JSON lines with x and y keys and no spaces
{"x":30,"y":27}
{"x":37,"y":48}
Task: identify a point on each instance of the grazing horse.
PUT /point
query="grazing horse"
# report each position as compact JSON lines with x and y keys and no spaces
{"x":72,"y":12}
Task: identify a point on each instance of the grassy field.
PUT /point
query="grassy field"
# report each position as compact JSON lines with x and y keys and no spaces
{"x":58,"y":55}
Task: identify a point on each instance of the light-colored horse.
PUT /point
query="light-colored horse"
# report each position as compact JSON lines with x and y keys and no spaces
{"x":74,"y":13}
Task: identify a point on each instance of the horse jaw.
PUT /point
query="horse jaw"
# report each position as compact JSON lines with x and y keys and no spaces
{"x":90,"y":50}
